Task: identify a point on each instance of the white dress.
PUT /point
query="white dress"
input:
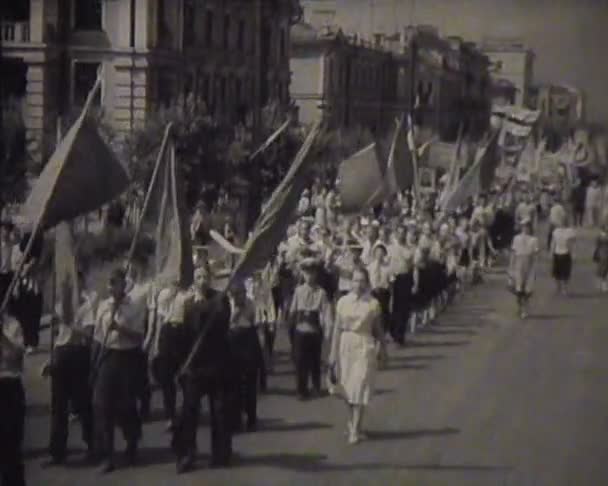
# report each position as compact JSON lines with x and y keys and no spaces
{"x":524,"y":248}
{"x":357,"y":359}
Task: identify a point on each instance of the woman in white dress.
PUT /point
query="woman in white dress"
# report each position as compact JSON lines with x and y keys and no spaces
{"x":357,"y":344}
{"x":522,"y":267}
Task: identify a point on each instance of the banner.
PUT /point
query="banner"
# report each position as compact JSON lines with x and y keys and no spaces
{"x":277,"y":215}
{"x":514,"y":121}
{"x":174,"y":262}
{"x":477,"y":179}
{"x":361,"y":182}
{"x":81,"y":176}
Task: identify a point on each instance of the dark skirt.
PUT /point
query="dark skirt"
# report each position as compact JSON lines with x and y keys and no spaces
{"x":384,"y":298}
{"x":423,"y":297}
{"x":402,"y":304}
{"x":465,"y":258}
{"x":562,"y":267}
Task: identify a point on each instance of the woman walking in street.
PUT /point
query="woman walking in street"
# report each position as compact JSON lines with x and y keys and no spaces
{"x":600,"y":257}
{"x":522,"y":267}
{"x":358,"y":341}
{"x":562,"y":243}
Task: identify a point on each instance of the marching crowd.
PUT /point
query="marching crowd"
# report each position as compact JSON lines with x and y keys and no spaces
{"x":342,"y":287}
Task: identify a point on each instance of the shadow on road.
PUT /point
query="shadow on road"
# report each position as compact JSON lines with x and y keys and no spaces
{"x":279,"y":425}
{"x":446,"y":331}
{"x":549,"y":317}
{"x":432,"y":344}
{"x":404,"y":366}
{"x":375,"y":435}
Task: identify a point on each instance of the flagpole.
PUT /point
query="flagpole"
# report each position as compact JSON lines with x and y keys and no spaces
{"x":38,"y":224}
{"x":159,"y":159}
{"x":304,"y":149}
{"x":54,"y":271}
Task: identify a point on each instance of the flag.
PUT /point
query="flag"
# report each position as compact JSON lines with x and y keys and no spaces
{"x":272,"y":224}
{"x":452,"y":175}
{"x":173,"y":250}
{"x":270,"y":139}
{"x":361,"y":181}
{"x":82,"y":175}
{"x":400,"y":170}
{"x":478,"y":178}
{"x":66,"y":273}
{"x":514,"y":121}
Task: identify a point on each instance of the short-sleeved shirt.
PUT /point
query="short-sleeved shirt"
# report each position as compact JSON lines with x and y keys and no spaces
{"x":126,"y":315}
{"x":562,"y":238}
{"x":11,"y":357}
{"x":525,"y":245}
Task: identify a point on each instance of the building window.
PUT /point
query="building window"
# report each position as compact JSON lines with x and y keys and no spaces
{"x":189,"y":26}
{"x":241,"y":36}
{"x":87,"y":14}
{"x":226,"y":31}
{"x":85,"y":75}
{"x":239,"y":90}
{"x":223,"y":91}
{"x":209,"y":28}
{"x":283,"y":45}
{"x":165,"y":89}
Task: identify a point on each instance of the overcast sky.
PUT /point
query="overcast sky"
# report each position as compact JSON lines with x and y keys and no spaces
{"x":569,"y":37}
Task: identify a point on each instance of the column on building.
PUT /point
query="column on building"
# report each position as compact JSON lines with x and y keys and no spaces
{"x":41,"y":112}
{"x":133,"y":90}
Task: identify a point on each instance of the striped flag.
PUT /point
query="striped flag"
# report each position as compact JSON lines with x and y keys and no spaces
{"x":174,"y":262}
{"x":277,"y":215}
{"x":478,"y":178}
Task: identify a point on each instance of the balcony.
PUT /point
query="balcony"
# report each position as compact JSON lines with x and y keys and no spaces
{"x":15,"y":32}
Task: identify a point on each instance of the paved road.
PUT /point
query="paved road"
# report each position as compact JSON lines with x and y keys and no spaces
{"x":481,"y":399}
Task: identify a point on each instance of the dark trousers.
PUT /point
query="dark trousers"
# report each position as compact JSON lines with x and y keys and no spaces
{"x":550,"y":236}
{"x":307,"y":356}
{"x":184,"y":438}
{"x":579,"y":216}
{"x":384,"y":298}
{"x":29,"y":312}
{"x":5,"y":281}
{"x":402,"y":302}
{"x":144,"y":391}
{"x":115,"y":395}
{"x":70,"y":388}
{"x":12,"y":423}
{"x":247,"y":361}
{"x":174,"y":344}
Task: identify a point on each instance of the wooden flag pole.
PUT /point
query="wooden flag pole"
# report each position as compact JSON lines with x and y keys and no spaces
{"x":54,"y":273}
{"x":163,"y":148}
{"x":38,"y":223}
{"x":159,"y":159}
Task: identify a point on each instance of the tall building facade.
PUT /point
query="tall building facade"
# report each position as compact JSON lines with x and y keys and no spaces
{"x":342,"y":79}
{"x":234,"y":54}
{"x":512,"y":61}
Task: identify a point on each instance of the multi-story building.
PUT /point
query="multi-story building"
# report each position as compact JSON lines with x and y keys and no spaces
{"x":232,"y":53}
{"x":512,"y":61}
{"x":343,"y":79}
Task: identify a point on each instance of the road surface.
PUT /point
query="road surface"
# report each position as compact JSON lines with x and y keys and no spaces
{"x":481,"y":399}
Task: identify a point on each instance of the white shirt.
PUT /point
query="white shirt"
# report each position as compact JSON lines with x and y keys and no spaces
{"x":562,"y":239}
{"x":6,"y":256}
{"x":126,"y":315}
{"x":400,"y":258}
{"x":379,"y":275}
{"x":11,"y":359}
